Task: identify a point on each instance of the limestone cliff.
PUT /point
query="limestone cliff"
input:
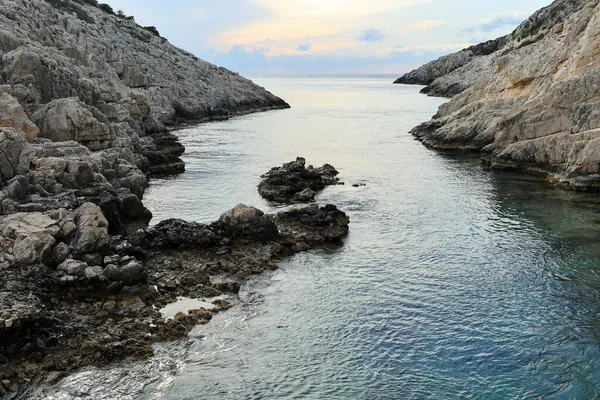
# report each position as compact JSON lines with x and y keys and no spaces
{"x":431,"y":72}
{"x":454,"y":73}
{"x":86,"y":99}
{"x":535,"y":104}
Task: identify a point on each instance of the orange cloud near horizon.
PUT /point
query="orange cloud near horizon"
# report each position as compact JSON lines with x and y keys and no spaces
{"x":292,"y":22}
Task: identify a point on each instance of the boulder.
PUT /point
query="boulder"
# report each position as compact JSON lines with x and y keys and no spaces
{"x":92,"y":230}
{"x":72,"y":267}
{"x":24,"y":224}
{"x":313,"y":224}
{"x":130,"y":273}
{"x":245,"y":220}
{"x":61,"y":252}
{"x":12,"y":115}
{"x":304,"y":196}
{"x":294,"y":182}
{"x":69,"y":119}
{"x":36,"y":247}
{"x":15,"y":154}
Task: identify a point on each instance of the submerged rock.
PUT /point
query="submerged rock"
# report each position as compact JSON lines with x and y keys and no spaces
{"x":295,"y":183}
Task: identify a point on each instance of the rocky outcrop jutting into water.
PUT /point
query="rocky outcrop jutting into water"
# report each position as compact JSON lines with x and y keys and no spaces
{"x":437,"y":69}
{"x":295,"y":183}
{"x":72,"y":296}
{"x":452,"y":74}
{"x":86,"y":99}
{"x":533,"y":104}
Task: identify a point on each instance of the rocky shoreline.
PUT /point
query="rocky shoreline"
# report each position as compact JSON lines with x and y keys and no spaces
{"x":88,"y":101}
{"x":73,"y":296}
{"x":531,"y":104}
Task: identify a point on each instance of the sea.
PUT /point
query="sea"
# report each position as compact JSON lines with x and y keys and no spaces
{"x":455,"y":282}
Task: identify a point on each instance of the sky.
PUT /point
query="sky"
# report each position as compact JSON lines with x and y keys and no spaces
{"x":274,"y":37}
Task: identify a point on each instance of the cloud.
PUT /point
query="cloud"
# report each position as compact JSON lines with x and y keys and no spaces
{"x":304,"y":47}
{"x":257,"y":61}
{"x":424,"y":25}
{"x":499,"y":22}
{"x":371,"y":36}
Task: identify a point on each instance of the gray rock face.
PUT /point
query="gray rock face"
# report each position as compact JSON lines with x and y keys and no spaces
{"x":13,"y":154}
{"x":452,"y":74}
{"x":536,"y":105}
{"x":12,"y":115}
{"x":92,"y":229}
{"x":33,"y":248}
{"x":99,"y":93}
{"x":429,"y":72}
{"x":69,"y":119}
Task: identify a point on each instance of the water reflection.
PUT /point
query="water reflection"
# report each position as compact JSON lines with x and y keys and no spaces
{"x":455,"y":281}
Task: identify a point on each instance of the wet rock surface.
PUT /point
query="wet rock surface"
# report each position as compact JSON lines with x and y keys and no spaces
{"x":83,"y":297}
{"x":295,"y":183}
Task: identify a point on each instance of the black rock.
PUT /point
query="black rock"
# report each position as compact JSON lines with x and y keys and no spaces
{"x":295,"y":183}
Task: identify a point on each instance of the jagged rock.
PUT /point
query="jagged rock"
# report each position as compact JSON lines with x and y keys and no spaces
{"x":131,"y":273}
{"x":313,"y":224}
{"x":14,"y":157}
{"x":535,"y":107}
{"x":174,"y":233}
{"x":61,"y":252}
{"x":92,"y":229}
{"x":72,"y":267}
{"x":69,"y":119}
{"x":92,"y":259}
{"x":452,"y":74}
{"x":35,"y":247}
{"x":290,"y":182}
{"x":247,"y":220}
{"x":92,"y":273}
{"x":24,"y":224}
{"x":12,"y":115}
{"x":305,"y":196}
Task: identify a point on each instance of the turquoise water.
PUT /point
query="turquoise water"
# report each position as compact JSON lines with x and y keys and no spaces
{"x":455,"y":282}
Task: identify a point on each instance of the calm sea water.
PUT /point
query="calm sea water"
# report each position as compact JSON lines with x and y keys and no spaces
{"x":455,"y":282}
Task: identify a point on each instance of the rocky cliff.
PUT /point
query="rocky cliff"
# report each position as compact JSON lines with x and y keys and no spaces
{"x":454,"y":73}
{"x":431,"y":72}
{"x":86,"y":99}
{"x":534,"y":105}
